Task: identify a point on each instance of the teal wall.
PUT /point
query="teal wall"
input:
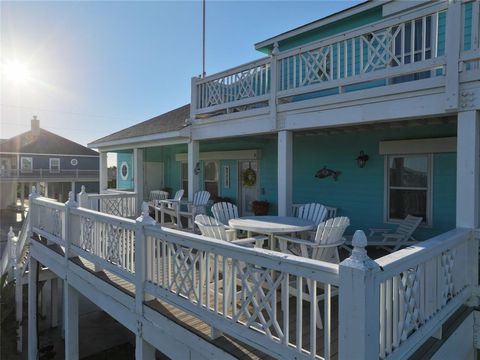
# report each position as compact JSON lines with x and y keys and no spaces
{"x":359,"y":192}
{"x":267,"y":165}
{"x":128,"y":183}
{"x":337,"y":27}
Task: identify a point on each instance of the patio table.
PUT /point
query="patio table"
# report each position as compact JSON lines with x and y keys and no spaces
{"x":271,"y":225}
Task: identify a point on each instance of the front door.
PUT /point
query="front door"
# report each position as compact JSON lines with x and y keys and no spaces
{"x":248,"y":191}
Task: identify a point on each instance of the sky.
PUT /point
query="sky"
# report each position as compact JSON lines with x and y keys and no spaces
{"x":97,"y":67}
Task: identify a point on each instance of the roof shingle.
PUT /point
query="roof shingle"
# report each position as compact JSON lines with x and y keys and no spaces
{"x":169,"y":121}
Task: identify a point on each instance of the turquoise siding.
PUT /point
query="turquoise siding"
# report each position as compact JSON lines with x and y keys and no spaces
{"x":344,"y":25}
{"x":128,"y":182}
{"x":359,"y":192}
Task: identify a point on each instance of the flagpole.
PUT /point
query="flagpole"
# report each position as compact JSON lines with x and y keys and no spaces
{"x":203,"y":47}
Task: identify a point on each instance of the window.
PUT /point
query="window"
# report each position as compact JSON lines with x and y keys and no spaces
{"x":124,"y":170}
{"x":54,"y":165}
{"x":408,"y":186}
{"x":26,"y":164}
{"x":210,"y":178}
{"x":184,"y":179}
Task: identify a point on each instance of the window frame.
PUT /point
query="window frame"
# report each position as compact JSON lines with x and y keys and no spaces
{"x":22,"y":169}
{"x":54,"y":171}
{"x":182,"y":179}
{"x":217,"y":174}
{"x":429,"y":189}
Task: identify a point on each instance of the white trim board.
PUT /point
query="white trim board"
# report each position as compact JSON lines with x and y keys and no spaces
{"x":418,"y":146}
{"x":224,"y":155}
{"x":69,"y":155}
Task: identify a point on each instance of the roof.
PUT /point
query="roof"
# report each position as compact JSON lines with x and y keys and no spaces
{"x":43,"y":143}
{"x":268,"y":43}
{"x":170,"y":121}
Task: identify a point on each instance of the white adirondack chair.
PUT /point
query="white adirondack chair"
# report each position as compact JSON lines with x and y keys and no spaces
{"x":224,"y":211}
{"x":198,"y":206}
{"x":331,"y":211}
{"x":172,"y":208}
{"x":324,"y":247}
{"x":314,"y":212}
{"x":213,"y":228}
{"x":392,"y":241}
{"x":156,"y":195}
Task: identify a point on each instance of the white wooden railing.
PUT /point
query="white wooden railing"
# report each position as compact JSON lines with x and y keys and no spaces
{"x":387,"y":308}
{"x":406,"y":47}
{"x":407,"y":295}
{"x":118,"y":203}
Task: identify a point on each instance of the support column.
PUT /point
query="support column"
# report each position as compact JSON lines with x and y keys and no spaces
{"x":32,"y":309}
{"x":71,"y":321}
{"x":468,"y":166}
{"x":143,"y":350}
{"x":193,"y":168}
{"x":103,"y":168}
{"x":285,"y":153}
{"x":54,"y":305}
{"x":22,"y":198}
{"x":138,"y":177}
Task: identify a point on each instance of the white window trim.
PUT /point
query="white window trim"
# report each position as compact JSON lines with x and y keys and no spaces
{"x":55,"y":171}
{"x":386,"y":190}
{"x":124,"y":178}
{"x":217,"y":175}
{"x":21,"y":164}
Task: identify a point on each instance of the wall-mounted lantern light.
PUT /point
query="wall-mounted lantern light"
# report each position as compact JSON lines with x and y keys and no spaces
{"x":362,"y":159}
{"x":197,"y":169}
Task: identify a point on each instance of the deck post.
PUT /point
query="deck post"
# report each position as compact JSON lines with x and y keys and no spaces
{"x":468,"y":166}
{"x":70,"y":300}
{"x":358,"y":304}
{"x":103,"y":170}
{"x":193,"y":168}
{"x":285,"y":154}
{"x":71,"y":321}
{"x":138,"y":178}
{"x":19,"y":307}
{"x":143,"y":350}
{"x":32,"y":309}
{"x":82,"y":198}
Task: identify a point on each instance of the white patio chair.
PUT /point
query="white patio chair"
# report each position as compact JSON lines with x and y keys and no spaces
{"x":213,"y":228}
{"x":328,"y":237}
{"x":156,"y":195}
{"x":224,"y":211}
{"x":314,"y":212}
{"x":392,"y":241}
{"x":198,"y":206}
{"x":331,"y":211}
{"x":170,"y":207}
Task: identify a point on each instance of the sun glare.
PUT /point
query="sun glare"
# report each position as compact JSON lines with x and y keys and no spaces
{"x":16,"y":72}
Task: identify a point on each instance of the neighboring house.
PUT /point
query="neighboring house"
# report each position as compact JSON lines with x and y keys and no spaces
{"x":53,"y":163}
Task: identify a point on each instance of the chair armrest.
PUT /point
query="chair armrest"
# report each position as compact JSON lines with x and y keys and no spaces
{"x":393,"y":236}
{"x":255,"y":239}
{"x":373,"y":231}
{"x":231,"y":234}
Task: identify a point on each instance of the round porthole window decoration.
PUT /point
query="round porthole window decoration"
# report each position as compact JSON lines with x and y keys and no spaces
{"x":74,"y":162}
{"x":249,"y":177}
{"x":124,"y":170}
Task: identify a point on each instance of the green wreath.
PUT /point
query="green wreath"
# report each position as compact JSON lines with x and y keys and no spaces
{"x":249,"y":177}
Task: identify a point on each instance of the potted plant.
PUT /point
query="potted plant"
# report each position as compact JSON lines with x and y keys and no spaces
{"x":260,"y":207}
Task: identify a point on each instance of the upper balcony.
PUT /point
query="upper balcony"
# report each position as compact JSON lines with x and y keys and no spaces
{"x":48,"y":175}
{"x":406,"y":48}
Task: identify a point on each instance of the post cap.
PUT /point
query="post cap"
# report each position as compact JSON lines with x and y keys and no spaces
{"x":71,"y":199}
{"x":145,"y":218}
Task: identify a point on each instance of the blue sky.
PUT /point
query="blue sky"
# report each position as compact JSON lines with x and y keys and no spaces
{"x":98,"y":67}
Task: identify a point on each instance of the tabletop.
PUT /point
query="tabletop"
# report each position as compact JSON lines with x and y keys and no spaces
{"x":271,"y":224}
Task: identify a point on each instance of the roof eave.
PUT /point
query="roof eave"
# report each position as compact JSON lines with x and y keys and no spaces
{"x":321,"y":22}
{"x":166,"y":137}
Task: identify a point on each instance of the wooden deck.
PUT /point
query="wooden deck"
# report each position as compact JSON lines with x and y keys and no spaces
{"x":227,"y":343}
